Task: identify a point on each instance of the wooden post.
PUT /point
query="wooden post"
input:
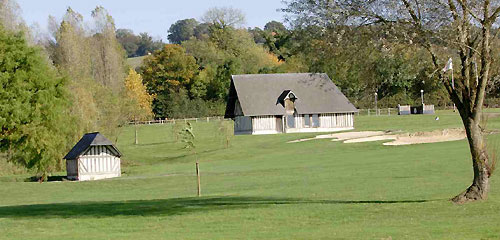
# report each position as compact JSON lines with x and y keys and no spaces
{"x":136,"y":140}
{"x":368,"y":112}
{"x":198,"y":176}
{"x":389,"y":111}
{"x":208,"y":119}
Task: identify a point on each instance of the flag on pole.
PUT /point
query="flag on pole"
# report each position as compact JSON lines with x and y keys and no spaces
{"x":449,"y":65}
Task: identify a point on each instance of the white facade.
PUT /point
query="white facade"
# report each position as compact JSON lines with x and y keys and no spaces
{"x":97,"y":162}
{"x":330,"y":122}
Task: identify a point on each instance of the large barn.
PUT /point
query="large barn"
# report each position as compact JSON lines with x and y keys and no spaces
{"x":287,"y":103}
{"x":93,"y":157}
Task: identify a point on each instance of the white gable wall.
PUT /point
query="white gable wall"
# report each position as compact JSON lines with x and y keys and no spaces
{"x":98,"y":162}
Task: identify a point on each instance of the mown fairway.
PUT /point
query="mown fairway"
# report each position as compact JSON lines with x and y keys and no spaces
{"x":263,"y":188}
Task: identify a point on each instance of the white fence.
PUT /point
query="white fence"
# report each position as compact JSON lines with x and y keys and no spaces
{"x":183,"y":120}
{"x":377,"y":112}
{"x":362,"y":112}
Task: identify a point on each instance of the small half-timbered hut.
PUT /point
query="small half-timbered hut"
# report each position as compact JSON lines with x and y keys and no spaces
{"x":93,"y":157}
{"x":286,"y":103}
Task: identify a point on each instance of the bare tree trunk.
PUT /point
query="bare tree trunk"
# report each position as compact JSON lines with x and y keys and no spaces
{"x":136,"y":139}
{"x":480,"y":184}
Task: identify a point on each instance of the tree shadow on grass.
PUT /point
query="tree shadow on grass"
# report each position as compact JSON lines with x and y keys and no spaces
{"x":162,"y":207}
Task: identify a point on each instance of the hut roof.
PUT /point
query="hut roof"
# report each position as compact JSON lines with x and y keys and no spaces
{"x":259,"y":94}
{"x":88,"y":140}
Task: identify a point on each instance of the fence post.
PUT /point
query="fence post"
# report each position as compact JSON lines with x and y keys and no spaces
{"x":208,"y":119}
{"x":389,"y":111}
{"x":368,"y":112}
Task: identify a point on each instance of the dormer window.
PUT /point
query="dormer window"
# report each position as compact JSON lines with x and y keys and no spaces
{"x":287,"y":100}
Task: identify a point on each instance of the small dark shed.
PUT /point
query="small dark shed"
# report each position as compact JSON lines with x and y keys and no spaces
{"x":93,"y":157}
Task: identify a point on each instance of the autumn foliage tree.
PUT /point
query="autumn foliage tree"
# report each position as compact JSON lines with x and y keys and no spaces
{"x":140,"y":99}
{"x":167,"y":73}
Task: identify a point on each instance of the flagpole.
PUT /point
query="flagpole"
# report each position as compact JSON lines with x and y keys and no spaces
{"x":453,"y":87}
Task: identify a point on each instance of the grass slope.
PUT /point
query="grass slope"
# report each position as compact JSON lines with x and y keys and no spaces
{"x":262,"y":187}
{"x":135,"y":62}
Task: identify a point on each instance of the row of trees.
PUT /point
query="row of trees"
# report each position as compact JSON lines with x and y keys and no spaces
{"x":207,"y":53}
{"x":137,"y":45}
{"x":361,"y":59}
{"x":57,"y":87}
{"x":191,"y":77}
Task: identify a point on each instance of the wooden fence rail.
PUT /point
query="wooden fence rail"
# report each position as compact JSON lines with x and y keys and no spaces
{"x":377,"y":112}
{"x":183,"y":120}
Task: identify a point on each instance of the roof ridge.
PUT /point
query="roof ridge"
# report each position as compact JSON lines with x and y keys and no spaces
{"x":269,"y":74}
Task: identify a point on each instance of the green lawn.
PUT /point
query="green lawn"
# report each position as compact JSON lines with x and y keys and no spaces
{"x":263,"y":188}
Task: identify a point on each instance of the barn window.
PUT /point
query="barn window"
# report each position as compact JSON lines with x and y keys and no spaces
{"x":307,"y":121}
{"x":315,"y":120}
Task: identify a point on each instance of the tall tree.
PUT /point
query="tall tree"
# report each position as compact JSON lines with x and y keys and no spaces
{"x":128,"y":40}
{"x":108,"y":56}
{"x":93,"y":61}
{"x":141,"y":100}
{"x":71,"y":55}
{"x":275,"y":26}
{"x":182,"y":30}
{"x":148,"y":45}
{"x":225,"y":17}
{"x":167,"y":72}
{"x":10,"y":16}
{"x":33,"y":120}
{"x":464,"y":27}
{"x":201,"y":31}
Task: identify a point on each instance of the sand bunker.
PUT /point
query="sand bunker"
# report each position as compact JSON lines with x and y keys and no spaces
{"x":372,"y":139}
{"x":342,"y":136}
{"x":398,"y":139}
{"x":429,"y":137}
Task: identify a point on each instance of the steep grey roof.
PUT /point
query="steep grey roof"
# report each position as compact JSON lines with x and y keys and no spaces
{"x":258,"y":94}
{"x":88,"y":140}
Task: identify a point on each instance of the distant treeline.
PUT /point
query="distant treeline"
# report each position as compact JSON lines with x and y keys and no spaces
{"x":362,"y":61}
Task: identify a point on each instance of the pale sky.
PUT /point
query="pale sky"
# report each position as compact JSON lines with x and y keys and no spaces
{"x":152,"y":16}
